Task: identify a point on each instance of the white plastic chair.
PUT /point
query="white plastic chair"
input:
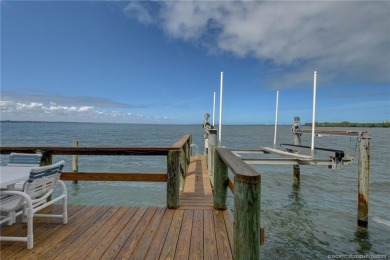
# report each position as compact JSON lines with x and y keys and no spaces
{"x":36,"y":191}
{"x":24,"y":160}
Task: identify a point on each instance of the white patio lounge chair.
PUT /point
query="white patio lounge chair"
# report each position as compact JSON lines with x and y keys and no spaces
{"x":24,"y":160}
{"x":36,"y":191}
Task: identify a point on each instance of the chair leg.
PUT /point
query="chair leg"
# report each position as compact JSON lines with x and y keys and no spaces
{"x":12,"y":218}
{"x":65,"y":211}
{"x":24,"y":215}
{"x":30,"y":236}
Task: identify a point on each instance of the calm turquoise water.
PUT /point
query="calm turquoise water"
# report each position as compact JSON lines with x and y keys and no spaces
{"x":311,"y":222}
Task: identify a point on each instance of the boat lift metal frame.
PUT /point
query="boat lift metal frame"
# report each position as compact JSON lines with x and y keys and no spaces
{"x":292,"y":156}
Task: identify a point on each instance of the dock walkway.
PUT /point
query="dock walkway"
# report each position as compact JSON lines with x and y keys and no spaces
{"x":194,"y":231}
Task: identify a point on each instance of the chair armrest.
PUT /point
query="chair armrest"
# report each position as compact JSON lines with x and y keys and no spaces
{"x":22,"y":194}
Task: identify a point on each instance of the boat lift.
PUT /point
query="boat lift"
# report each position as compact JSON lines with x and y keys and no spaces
{"x":291,"y":155}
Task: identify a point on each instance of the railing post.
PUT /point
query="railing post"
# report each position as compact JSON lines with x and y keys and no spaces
{"x":210,"y":156}
{"x":75,"y":161}
{"x":47,"y":158}
{"x":173,"y":179}
{"x":363,"y":180}
{"x":297,"y":141}
{"x":247,"y":217}
{"x":189,"y":148}
{"x":220,"y":182}
{"x":188,"y":151}
{"x":182,"y":167}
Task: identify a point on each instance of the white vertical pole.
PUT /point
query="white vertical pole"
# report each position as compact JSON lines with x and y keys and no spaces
{"x":214,"y":109}
{"x":314,"y":114}
{"x":276,"y":116}
{"x":220,"y":113}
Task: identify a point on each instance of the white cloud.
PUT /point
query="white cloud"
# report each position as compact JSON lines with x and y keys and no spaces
{"x":137,"y":9}
{"x":16,"y":107}
{"x":56,"y":108}
{"x":85,"y":109}
{"x":341,"y":39}
{"x":29,"y":106}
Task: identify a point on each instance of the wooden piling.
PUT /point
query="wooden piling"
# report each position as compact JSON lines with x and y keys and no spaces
{"x":173,"y":179}
{"x":47,"y":158}
{"x":247,"y":217}
{"x":210,"y":156}
{"x":220,"y":182}
{"x":363,"y":180}
{"x":75,"y":161}
{"x":297,"y":141}
{"x":247,"y":184}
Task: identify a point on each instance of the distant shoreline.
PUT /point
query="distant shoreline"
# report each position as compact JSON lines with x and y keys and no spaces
{"x":318,"y":124}
{"x":349,"y":124}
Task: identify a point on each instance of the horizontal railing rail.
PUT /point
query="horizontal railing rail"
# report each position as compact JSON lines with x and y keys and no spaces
{"x":112,"y":176}
{"x":96,"y":150}
{"x":178,"y":158}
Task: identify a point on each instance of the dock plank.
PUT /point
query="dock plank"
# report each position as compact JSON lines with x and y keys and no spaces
{"x":105,"y":227}
{"x":121,"y":239}
{"x":197,"y":190}
{"x":196,"y":247}
{"x":84,"y":237}
{"x":104,"y":244}
{"x":70,"y":242}
{"x":210,"y":246}
{"x":182,"y":248}
{"x":169,"y":248}
{"x":146,"y":240}
{"x":134,"y":239}
{"x":221,"y":236}
{"x":158,"y":241}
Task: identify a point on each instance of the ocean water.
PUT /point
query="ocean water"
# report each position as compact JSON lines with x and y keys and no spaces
{"x":315,"y":221}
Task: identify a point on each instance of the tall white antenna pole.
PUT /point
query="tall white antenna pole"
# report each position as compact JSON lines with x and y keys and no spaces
{"x":214,"y":108}
{"x":220,"y":112}
{"x":276,"y":116}
{"x":314,"y":114}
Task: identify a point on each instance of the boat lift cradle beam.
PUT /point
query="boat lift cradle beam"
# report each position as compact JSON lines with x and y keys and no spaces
{"x":293,"y":159}
{"x":322,"y":132}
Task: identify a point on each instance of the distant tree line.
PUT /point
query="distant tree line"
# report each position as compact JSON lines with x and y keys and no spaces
{"x":349,"y":124}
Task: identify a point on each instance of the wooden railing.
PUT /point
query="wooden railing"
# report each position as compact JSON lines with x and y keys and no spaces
{"x":178,"y":158}
{"x":246,"y":189}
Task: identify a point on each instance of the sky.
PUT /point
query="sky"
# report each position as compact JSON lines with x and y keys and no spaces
{"x":161,"y":62}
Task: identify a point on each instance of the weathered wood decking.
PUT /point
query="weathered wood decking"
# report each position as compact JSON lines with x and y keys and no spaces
{"x":197,"y":192}
{"x":194,"y":231}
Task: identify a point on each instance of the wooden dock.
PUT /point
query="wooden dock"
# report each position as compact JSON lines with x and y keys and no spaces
{"x":194,"y":231}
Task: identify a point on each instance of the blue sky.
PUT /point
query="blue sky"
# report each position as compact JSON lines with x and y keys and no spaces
{"x":160,"y":62}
